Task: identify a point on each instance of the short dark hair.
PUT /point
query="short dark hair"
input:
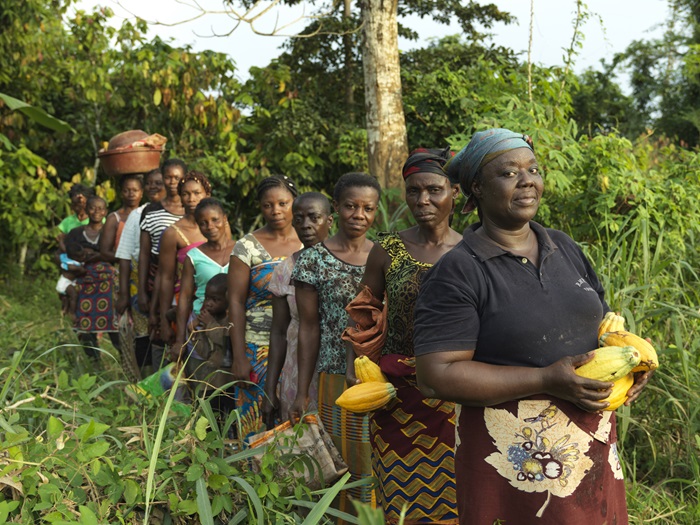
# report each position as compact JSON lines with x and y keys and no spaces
{"x":219,"y":282}
{"x":80,"y":189}
{"x":174,"y":163}
{"x":355,"y":179}
{"x":134,"y":176}
{"x":208,"y":202}
{"x":315,"y":197}
{"x":93,"y":198}
{"x":151,"y":173}
{"x":196,"y":176}
{"x":73,"y":248}
{"x":275,"y":181}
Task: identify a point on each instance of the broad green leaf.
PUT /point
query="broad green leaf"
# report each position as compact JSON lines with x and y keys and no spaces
{"x":96,"y":449}
{"x":206,"y":516}
{"x":157,"y":96}
{"x":131,"y":491}
{"x":87,"y":517}
{"x":200,"y":428}
{"x":90,"y":430}
{"x":36,"y":114}
{"x":54,"y":427}
{"x":195,"y":472}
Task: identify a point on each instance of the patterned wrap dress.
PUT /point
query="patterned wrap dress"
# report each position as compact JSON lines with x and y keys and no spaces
{"x":257,"y":331}
{"x":282,"y":287}
{"x":413,"y":438}
{"x":337,"y":283}
{"x":95,"y":311}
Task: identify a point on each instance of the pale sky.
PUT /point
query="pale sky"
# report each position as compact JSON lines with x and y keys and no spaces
{"x":612,"y":26}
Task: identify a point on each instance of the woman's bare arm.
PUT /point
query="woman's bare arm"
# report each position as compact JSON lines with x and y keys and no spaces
{"x":144,"y":264}
{"x":454,"y":376}
{"x":167,"y":263}
{"x":184,"y":306}
{"x":238,"y":282}
{"x":107,"y":239}
{"x":309,"y":345}
{"x":277,"y":354}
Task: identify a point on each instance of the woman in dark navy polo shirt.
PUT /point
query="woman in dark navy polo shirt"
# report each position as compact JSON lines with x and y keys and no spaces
{"x":501,"y":322}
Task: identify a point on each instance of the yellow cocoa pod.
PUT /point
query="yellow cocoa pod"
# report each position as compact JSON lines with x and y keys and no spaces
{"x":366,"y":397}
{"x":648,"y":359}
{"x":367,"y":370}
{"x":611,"y":323}
{"x":610,"y":363}
{"x":619,"y":392}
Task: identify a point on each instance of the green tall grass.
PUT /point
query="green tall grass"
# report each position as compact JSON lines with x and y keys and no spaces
{"x":656,"y":288}
{"x":73,"y":446}
{"x":75,"y":449}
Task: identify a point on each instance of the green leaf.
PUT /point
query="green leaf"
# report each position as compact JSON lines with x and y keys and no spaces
{"x":97,"y":449}
{"x":54,"y":427}
{"x":195,"y":472}
{"x":188,"y":506}
{"x":5,"y":508}
{"x":216,"y":481}
{"x":6,"y":142}
{"x":157,"y":96}
{"x":90,"y":430}
{"x":87,"y":517}
{"x":320,"y":508}
{"x":255,"y":500}
{"x":131,"y":491}
{"x":200,"y":428}
{"x":38,"y":115}
{"x":206,"y":516}
{"x":63,"y":380}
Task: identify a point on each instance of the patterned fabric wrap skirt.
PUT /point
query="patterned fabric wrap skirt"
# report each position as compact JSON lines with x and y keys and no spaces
{"x":249,"y":400}
{"x":538,"y":460}
{"x":95,"y":311}
{"x":140,"y":320}
{"x":350,"y":435}
{"x":413,"y":441}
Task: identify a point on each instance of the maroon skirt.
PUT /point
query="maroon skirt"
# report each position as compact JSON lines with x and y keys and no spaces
{"x":538,"y":460}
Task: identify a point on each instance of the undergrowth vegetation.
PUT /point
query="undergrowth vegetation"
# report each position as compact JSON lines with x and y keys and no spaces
{"x":76,"y":449}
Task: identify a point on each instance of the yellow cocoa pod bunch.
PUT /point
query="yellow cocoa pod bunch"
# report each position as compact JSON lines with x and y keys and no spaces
{"x":610,"y":363}
{"x":366,"y":397}
{"x":367,"y":370}
{"x":611,"y":323}
{"x":619,"y":392}
{"x":648,"y":359}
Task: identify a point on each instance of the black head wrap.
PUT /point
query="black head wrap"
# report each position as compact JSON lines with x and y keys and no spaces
{"x":423,"y":160}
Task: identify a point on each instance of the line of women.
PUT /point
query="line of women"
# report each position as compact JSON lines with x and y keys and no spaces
{"x":484,"y":331}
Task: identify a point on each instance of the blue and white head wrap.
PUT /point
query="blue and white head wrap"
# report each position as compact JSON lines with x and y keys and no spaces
{"x":482,"y":149}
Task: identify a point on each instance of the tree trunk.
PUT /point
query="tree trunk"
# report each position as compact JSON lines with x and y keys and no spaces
{"x":385,"y":122}
{"x":349,"y":66}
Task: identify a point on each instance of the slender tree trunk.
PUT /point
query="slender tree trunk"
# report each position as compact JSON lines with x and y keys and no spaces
{"x":385,"y":122}
{"x":349,"y":65}
{"x":23,"y":257}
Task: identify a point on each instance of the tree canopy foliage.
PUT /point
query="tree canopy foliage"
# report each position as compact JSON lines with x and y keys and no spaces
{"x":302,"y":114}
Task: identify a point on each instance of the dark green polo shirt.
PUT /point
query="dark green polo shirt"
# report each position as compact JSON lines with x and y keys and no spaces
{"x":480,"y":297}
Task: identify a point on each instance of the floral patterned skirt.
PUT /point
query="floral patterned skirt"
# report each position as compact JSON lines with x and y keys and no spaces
{"x":95,"y":311}
{"x":538,"y":460}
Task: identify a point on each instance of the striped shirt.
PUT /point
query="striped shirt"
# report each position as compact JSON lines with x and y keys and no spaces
{"x":154,"y":220}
